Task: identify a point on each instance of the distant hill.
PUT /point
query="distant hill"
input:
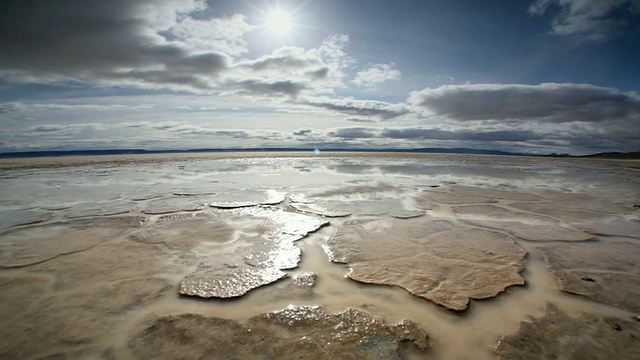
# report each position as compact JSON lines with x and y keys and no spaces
{"x":24,"y":154}
{"x":615,"y":155}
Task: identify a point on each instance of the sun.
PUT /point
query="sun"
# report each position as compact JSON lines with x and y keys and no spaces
{"x":278,"y":22}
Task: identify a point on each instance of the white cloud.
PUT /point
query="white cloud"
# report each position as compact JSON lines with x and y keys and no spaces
{"x":377,"y":74}
{"x":164,"y":45}
{"x":290,"y":71}
{"x":588,"y":20}
{"x":171,"y":45}
{"x":159,"y":45}
{"x":224,"y":35}
{"x":333,"y":53}
{"x":157,"y":15}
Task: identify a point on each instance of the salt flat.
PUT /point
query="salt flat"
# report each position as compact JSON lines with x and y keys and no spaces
{"x":289,"y":255}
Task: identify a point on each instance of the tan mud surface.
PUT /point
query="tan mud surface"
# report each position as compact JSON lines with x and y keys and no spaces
{"x":603,"y":271}
{"x":526,"y":226}
{"x":557,"y":335}
{"x":294,"y":333}
{"x":236,"y":250}
{"x":151,"y":257}
{"x":24,"y":247}
{"x":434,"y":259}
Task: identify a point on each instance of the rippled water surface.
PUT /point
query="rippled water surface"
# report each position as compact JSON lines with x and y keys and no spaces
{"x":295,"y":255}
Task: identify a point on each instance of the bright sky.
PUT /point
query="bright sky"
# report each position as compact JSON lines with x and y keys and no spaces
{"x":536,"y":76}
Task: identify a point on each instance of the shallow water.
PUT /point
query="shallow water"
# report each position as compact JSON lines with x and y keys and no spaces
{"x":113,"y":243}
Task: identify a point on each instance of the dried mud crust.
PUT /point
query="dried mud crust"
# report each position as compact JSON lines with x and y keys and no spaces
{"x":29,"y":246}
{"x":557,"y":335}
{"x":303,"y":332}
{"x":235,"y":250}
{"x":606,"y":271}
{"x":434,"y":259}
{"x":57,"y":325}
{"x":528,"y":226}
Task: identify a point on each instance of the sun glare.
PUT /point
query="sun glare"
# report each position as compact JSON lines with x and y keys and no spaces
{"x":279,"y":22}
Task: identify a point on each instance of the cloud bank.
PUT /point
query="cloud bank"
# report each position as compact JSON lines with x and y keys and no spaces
{"x":159,"y":44}
{"x":288,"y":96}
{"x":111,"y":42}
{"x":543,"y":103}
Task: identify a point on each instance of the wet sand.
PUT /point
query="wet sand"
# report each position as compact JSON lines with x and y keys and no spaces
{"x":292,"y":255}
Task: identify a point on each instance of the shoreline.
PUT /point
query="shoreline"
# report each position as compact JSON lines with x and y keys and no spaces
{"x":84,"y":160}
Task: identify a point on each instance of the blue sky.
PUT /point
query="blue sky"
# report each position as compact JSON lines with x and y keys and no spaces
{"x":534,"y":76}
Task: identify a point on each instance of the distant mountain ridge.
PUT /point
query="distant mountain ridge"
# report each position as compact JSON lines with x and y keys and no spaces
{"x":616,"y":155}
{"x":53,"y":153}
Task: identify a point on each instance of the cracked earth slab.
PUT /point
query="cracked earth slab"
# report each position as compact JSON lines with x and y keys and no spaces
{"x":434,"y":259}
{"x":174,"y":204}
{"x":557,"y":335}
{"x":80,"y":318}
{"x":247,"y":197}
{"x":525,"y":225}
{"x":599,"y":222}
{"x":297,"y":332}
{"x":33,"y":245}
{"x":12,"y":218}
{"x":368,"y":199}
{"x":235,"y":250}
{"x":604,"y":271}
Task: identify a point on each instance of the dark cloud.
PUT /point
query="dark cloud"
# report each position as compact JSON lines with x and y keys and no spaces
{"x":49,"y":128}
{"x":319,"y":74}
{"x":353,"y":133}
{"x":358,"y":120}
{"x":291,"y":60}
{"x":101,"y":40}
{"x":588,"y":20}
{"x":353,"y":107}
{"x":328,"y":144}
{"x":58,"y":131}
{"x":162,"y":78}
{"x":302,"y":132}
{"x":556,"y":103}
{"x":187,"y":129}
{"x":261,"y":87}
{"x":435,"y":134}
{"x":136,"y":125}
{"x":156,"y":44}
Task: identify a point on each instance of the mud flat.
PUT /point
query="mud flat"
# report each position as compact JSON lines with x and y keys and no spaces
{"x":292,"y":255}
